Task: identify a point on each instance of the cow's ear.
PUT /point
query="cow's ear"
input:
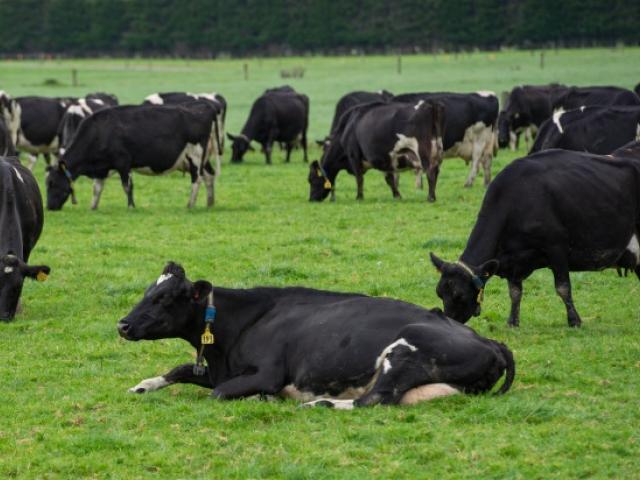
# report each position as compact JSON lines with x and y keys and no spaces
{"x":437,"y":262}
{"x":488,"y":269}
{"x":231,"y":137}
{"x":314,"y":165}
{"x":36,"y":272}
{"x":201,"y":290}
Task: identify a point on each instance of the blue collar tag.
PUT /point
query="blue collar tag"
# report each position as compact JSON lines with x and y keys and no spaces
{"x":210,"y":314}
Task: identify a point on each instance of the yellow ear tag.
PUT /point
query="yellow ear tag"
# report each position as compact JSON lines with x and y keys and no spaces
{"x":327,"y":184}
{"x":207,"y":337}
{"x":41,"y":277}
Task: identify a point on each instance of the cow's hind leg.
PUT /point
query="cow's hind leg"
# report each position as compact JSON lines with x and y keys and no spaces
{"x":515,"y":292}
{"x":32,"y":161}
{"x":288,"y":147}
{"x":560,"y":268}
{"x":392,"y":180}
{"x":98,"y":187}
{"x":180,"y":374}
{"x":209,"y":177}
{"x":127,"y":185}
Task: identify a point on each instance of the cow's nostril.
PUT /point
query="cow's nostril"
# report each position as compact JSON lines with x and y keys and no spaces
{"x":123,"y":327}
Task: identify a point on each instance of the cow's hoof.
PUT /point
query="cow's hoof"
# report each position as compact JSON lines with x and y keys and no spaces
{"x":577,"y":324}
{"x":467,"y":185}
{"x":431,"y":199}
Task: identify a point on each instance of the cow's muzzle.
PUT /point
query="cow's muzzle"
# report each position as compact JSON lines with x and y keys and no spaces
{"x":123,"y":329}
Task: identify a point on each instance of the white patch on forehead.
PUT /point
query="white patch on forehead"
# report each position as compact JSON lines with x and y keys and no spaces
{"x":383,"y":356}
{"x":163,"y":278}
{"x":18,"y":174}
{"x":418,"y":105}
{"x":155,"y":99}
{"x":634,"y":247}
{"x":486,"y":93}
{"x":556,"y":119}
{"x":582,"y":108}
{"x":8,"y":269}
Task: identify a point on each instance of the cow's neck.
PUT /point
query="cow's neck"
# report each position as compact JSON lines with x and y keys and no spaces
{"x":11,"y":239}
{"x":332,"y":161}
{"x":482,"y":245}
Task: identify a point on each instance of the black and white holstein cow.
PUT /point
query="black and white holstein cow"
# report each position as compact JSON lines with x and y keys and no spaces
{"x":469,"y":128}
{"x":527,"y":106}
{"x":558,"y":209}
{"x":577,"y":97}
{"x":21,"y":220}
{"x":279,"y":115}
{"x":590,"y":129}
{"x":78,"y":111}
{"x":389,"y":137}
{"x":218,"y":102}
{"x":331,"y":349}
{"x":150,"y":139}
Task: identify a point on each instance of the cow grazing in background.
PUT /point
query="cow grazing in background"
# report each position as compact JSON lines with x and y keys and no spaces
{"x":78,"y":111}
{"x":389,"y":137}
{"x":278,"y":115}
{"x":326,"y":348}
{"x":21,"y":220}
{"x":469,"y":127}
{"x":577,"y":97}
{"x":150,"y":139}
{"x":526,"y":108}
{"x":590,"y":129}
{"x":558,"y":209}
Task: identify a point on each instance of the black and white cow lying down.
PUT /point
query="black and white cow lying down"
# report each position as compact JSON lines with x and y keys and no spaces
{"x":278,"y":115}
{"x":389,"y":137}
{"x":590,"y":129}
{"x":558,"y":209}
{"x":150,"y":139}
{"x":327,"y":348}
{"x":21,"y":220}
{"x":469,"y":127}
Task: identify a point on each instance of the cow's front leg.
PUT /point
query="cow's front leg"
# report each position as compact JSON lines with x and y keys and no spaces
{"x":180,"y":374}
{"x":392,"y":180}
{"x":515,"y":292}
{"x":476,"y":155}
{"x":98,"y":187}
{"x":360,"y":185}
{"x":209,"y":181}
{"x":432,"y":180}
{"x":262,"y":382}
{"x":32,"y":161}
{"x":127,"y":185}
{"x":267,"y":148}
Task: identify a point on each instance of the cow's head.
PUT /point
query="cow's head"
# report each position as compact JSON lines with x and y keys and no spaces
{"x":320,"y":185}
{"x":241,"y":144}
{"x":59,"y":186}
{"x":167,"y":309}
{"x":13,"y":271}
{"x":461,"y":287}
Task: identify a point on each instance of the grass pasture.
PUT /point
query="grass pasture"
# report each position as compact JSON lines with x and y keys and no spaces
{"x":573,"y":411}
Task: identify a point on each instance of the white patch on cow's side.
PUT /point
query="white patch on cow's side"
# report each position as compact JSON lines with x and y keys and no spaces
{"x":389,"y":348}
{"x":427,"y":392}
{"x":79,"y":110}
{"x":386,"y":365}
{"x":556,"y":119}
{"x":18,"y":174}
{"x":418,"y":105}
{"x":405,"y":143}
{"x":292,"y":392}
{"x":634,"y":247}
{"x":155,"y":99}
{"x":8,"y":269}
{"x":98,"y":101}
{"x":149,"y":385}
{"x":163,"y":278}
{"x":331,"y":403}
{"x":486,"y":93}
{"x":582,"y":108}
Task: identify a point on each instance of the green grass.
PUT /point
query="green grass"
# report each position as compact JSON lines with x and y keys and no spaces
{"x":64,"y":373}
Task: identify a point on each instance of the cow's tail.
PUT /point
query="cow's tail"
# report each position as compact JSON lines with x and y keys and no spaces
{"x":510,"y":369}
{"x":218,"y":147}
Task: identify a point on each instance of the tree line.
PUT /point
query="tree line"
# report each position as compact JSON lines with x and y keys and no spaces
{"x":247,"y":27}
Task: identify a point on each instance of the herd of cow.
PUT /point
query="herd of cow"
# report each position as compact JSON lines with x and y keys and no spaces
{"x":572,"y":204}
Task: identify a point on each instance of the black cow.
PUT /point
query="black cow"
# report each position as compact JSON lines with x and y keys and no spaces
{"x":590,"y":129}
{"x":151,"y":139}
{"x":385,"y":136}
{"x":557,"y":209}
{"x":352,"y":99}
{"x":279,"y":115}
{"x":78,"y":111}
{"x":576,"y":97}
{"x":469,"y":128}
{"x":526,"y":108}
{"x":327,"y":348}
{"x":21,"y":220}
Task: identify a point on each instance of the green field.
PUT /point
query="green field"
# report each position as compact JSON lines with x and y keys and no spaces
{"x":65,"y":412}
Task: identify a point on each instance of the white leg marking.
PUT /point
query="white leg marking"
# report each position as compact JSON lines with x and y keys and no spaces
{"x":634,"y":247}
{"x":427,"y":392}
{"x":150,"y":385}
{"x":332,"y":403}
{"x":98,"y":186}
{"x":194,"y":193}
{"x":32,"y":161}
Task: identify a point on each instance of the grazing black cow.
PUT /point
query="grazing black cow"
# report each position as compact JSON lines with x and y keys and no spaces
{"x":279,"y":115}
{"x":78,"y":111}
{"x":576,"y":97}
{"x":326,"y":348}
{"x":558,"y":209}
{"x":469,"y":128}
{"x":526,"y":108}
{"x":6,"y":144}
{"x":151,"y":139}
{"x":590,"y":129}
{"x":389,"y":137}
{"x":352,"y":99}
{"x":21,"y":220}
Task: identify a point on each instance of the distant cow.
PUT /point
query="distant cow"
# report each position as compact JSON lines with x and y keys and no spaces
{"x":526,"y":108}
{"x":21,"y":220}
{"x":558,"y":209}
{"x":78,"y":111}
{"x":357,"y":98}
{"x":279,"y":115}
{"x":389,"y":137}
{"x":469,"y":127}
{"x":150,"y":139}
{"x":576,"y":97}
{"x":331,"y":349}
{"x":590,"y":129}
